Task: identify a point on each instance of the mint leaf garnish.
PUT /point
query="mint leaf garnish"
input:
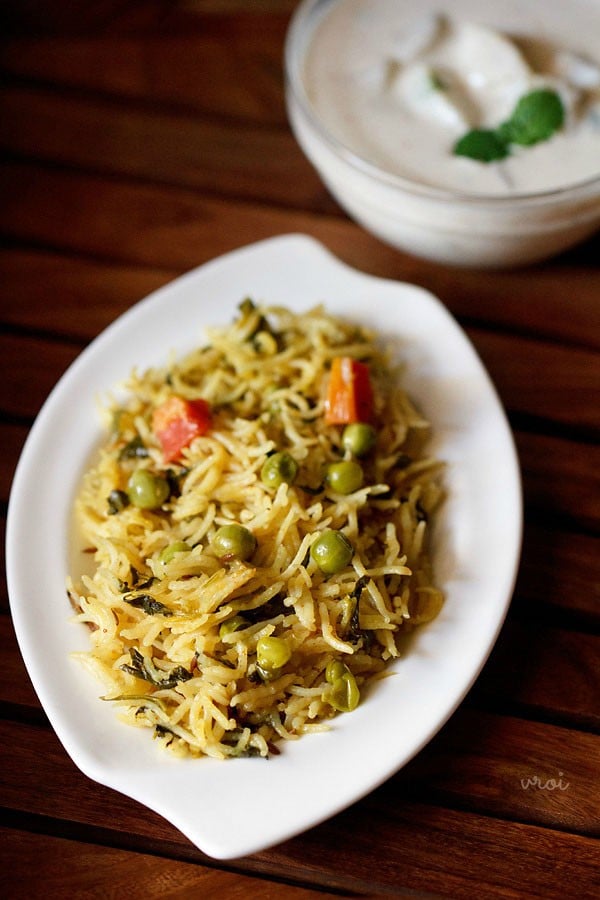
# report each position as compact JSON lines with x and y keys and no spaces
{"x":482,"y":144}
{"x":535,"y":118}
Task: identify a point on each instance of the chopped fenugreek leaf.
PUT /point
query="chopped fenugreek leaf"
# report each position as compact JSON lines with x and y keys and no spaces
{"x":143,"y":668}
{"x":134,"y":449}
{"x":116,"y":502}
{"x":149,"y":605}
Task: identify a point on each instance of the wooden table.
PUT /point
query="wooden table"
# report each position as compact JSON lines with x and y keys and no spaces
{"x":141,"y":139}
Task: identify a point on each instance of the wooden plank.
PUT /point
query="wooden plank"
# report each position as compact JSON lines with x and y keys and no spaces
{"x":476,"y":856}
{"x":259,"y":166}
{"x":55,"y":866}
{"x":560,"y":569}
{"x":176,"y":229}
{"x":503,"y":300}
{"x":231,"y":71}
{"x":4,"y":587}
{"x":18,"y":690}
{"x":12,"y":437}
{"x":560,"y":383}
{"x":557,"y":301}
{"x":67,"y":296}
{"x":493,"y":764}
{"x":159,"y":226}
{"x":263,"y":164}
{"x":116,"y":17}
{"x":523,"y":371}
{"x":571,"y":468}
{"x":70,"y":16}
{"x":560,"y":477}
{"x":24,"y":17}
{"x":511,"y":768}
{"x":558,"y":575}
{"x":31,"y":369}
{"x":574,"y":466}
{"x":221,"y":7}
{"x":545,"y":671}
{"x":503,"y":802}
{"x":513,"y":859}
{"x":527,"y":667}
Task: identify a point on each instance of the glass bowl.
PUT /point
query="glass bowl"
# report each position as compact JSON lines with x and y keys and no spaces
{"x":434,"y":223}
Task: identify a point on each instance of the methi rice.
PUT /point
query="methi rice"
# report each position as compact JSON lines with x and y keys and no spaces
{"x":158,"y":621}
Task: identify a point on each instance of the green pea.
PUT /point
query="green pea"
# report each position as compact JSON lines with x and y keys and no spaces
{"x":231,"y":625}
{"x":233,"y":542}
{"x":359,"y":438}
{"x":146,"y":490}
{"x":272,"y":653}
{"x":332,"y":551}
{"x":167,"y":553}
{"x":279,"y":468}
{"x":344,"y":477}
{"x":334,"y":670}
{"x":344,"y":694}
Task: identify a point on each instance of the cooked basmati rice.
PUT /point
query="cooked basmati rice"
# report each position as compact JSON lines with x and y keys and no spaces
{"x":155,"y":626}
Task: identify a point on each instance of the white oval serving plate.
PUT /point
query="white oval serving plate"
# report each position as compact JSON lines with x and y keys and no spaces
{"x":233,"y":808}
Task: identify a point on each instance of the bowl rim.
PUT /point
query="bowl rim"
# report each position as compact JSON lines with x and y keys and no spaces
{"x":297,"y":39}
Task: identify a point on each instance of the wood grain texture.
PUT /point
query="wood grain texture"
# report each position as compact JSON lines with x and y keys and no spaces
{"x":546,"y":671}
{"x":13,"y":438}
{"x":78,"y":869}
{"x":141,"y":139}
{"x":99,"y":291}
{"x":560,"y":568}
{"x":170,"y":147}
{"x":565,"y":394}
{"x":22,"y":393}
{"x":561,"y":476}
{"x":492,"y":764}
{"x":92,"y":294}
{"x":320,"y":855}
